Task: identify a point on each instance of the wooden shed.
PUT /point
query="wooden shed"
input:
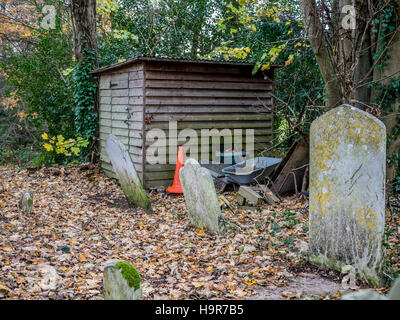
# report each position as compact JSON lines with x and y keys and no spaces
{"x":144,"y":93}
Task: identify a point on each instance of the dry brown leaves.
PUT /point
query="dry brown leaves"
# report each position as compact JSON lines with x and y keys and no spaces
{"x":81,"y":220}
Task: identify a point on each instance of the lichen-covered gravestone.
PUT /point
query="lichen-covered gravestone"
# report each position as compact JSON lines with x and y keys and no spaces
{"x":121,"y":281}
{"x":347,"y":191}
{"x":201,"y":198}
{"x":26,"y":202}
{"x":126,"y":173}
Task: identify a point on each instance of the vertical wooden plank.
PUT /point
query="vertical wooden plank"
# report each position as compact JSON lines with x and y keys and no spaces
{"x":144,"y":125}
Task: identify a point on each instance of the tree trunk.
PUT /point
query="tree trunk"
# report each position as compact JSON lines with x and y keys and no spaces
{"x":83,"y":14}
{"x":315,"y":32}
{"x":363,"y":62}
{"x":84,"y":27}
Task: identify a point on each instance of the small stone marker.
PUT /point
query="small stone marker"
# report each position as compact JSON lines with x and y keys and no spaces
{"x":26,"y":203}
{"x":347,"y":191}
{"x":126,"y":173}
{"x":201,"y":198}
{"x":121,"y":281}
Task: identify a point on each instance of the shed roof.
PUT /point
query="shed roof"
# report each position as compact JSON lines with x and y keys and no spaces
{"x":168,"y":59}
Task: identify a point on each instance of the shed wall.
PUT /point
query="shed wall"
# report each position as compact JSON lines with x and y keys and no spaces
{"x":204,"y":97}
{"x":117,"y":90}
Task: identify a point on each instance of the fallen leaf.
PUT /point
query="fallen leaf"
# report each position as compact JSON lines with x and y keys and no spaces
{"x":82,"y":257}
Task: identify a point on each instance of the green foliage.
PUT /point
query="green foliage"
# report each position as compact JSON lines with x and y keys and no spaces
{"x":183,"y":29}
{"x":40,"y":81}
{"x":384,"y":25}
{"x":269,"y":34}
{"x":86,"y":118}
{"x":39,"y":77}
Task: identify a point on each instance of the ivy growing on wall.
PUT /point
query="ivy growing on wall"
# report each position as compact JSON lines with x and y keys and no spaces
{"x":86,"y":118}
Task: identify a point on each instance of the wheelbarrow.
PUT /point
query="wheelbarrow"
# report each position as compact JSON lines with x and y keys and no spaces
{"x":251,"y":170}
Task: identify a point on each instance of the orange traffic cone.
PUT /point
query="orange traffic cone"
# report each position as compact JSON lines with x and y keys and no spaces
{"x":176,"y":185}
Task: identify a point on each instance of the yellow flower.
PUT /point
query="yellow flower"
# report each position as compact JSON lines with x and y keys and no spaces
{"x":45,"y":136}
{"x":48,"y":147}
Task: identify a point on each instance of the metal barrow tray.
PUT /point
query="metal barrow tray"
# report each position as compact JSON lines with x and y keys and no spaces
{"x":251,"y":170}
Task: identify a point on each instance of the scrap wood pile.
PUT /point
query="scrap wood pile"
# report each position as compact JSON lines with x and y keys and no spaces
{"x":81,"y":219}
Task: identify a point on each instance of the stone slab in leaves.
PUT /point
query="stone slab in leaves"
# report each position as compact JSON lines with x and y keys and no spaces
{"x":26,"y":203}
{"x":201,"y":197}
{"x":126,"y":173}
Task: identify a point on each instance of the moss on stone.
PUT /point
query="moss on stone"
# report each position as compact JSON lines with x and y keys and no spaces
{"x":322,"y":261}
{"x":130,"y":274}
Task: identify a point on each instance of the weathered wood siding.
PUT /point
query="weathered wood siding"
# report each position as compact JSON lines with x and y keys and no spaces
{"x":200,"y":96}
{"x":117,"y":90}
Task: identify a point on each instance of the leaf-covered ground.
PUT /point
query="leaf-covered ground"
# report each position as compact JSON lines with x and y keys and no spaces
{"x":81,"y":220}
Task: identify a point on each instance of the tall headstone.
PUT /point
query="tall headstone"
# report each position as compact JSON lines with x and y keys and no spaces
{"x":201,"y":197}
{"x":347,"y":191}
{"x":121,"y":281}
{"x":126,"y":173}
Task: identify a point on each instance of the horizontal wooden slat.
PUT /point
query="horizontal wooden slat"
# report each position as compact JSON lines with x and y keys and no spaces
{"x":121,"y":132}
{"x":200,"y":68}
{"x":186,"y":101}
{"x":135,"y":125}
{"x":161,"y":175}
{"x":135,"y":83}
{"x":136,"y":142}
{"x":206,"y":93}
{"x":135,"y":67}
{"x":206,"y":109}
{"x":159,"y":167}
{"x":121,"y":108}
{"x":127,"y":100}
{"x":207,"y":118}
{"x":105,"y":100}
{"x":158,"y":183}
{"x":106,"y":131}
{"x":119,"y":93}
{"x":135,"y":116}
{"x":181,"y":84}
{"x":212,"y":125}
{"x":215,"y":117}
{"x":192,"y":142}
{"x":187,"y":76}
{"x":122,"y":84}
{"x":105,"y":93}
{"x":119,"y":76}
{"x":136,"y":75}
{"x":235,"y":132}
{"x":164,"y":151}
